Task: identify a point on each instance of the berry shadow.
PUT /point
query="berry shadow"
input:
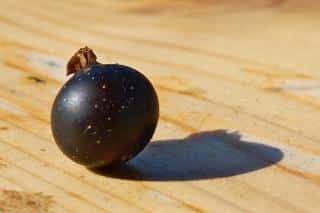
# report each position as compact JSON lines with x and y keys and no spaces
{"x":203,"y":155}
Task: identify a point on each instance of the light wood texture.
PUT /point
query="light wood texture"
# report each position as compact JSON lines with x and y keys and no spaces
{"x":238,"y":83}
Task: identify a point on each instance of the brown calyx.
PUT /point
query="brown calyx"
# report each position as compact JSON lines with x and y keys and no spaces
{"x":82,"y":59}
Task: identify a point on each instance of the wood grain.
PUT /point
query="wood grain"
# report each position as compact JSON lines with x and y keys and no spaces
{"x":238,"y":85}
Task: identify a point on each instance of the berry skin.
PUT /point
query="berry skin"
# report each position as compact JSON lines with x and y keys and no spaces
{"x":104,"y":115}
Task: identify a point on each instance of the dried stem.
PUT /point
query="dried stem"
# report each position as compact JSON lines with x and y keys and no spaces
{"x":82,"y":59}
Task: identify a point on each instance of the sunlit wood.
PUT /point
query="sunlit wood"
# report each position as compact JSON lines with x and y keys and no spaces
{"x":239,"y":87}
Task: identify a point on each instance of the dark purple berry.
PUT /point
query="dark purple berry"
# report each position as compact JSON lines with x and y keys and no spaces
{"x":105,"y":114}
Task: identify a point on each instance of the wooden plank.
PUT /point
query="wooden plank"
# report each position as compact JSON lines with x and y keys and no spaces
{"x":238,"y":85}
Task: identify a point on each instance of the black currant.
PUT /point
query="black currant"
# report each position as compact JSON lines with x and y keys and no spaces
{"x":105,"y":113}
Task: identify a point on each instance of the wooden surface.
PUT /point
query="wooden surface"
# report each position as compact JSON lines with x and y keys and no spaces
{"x":238,"y":83}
